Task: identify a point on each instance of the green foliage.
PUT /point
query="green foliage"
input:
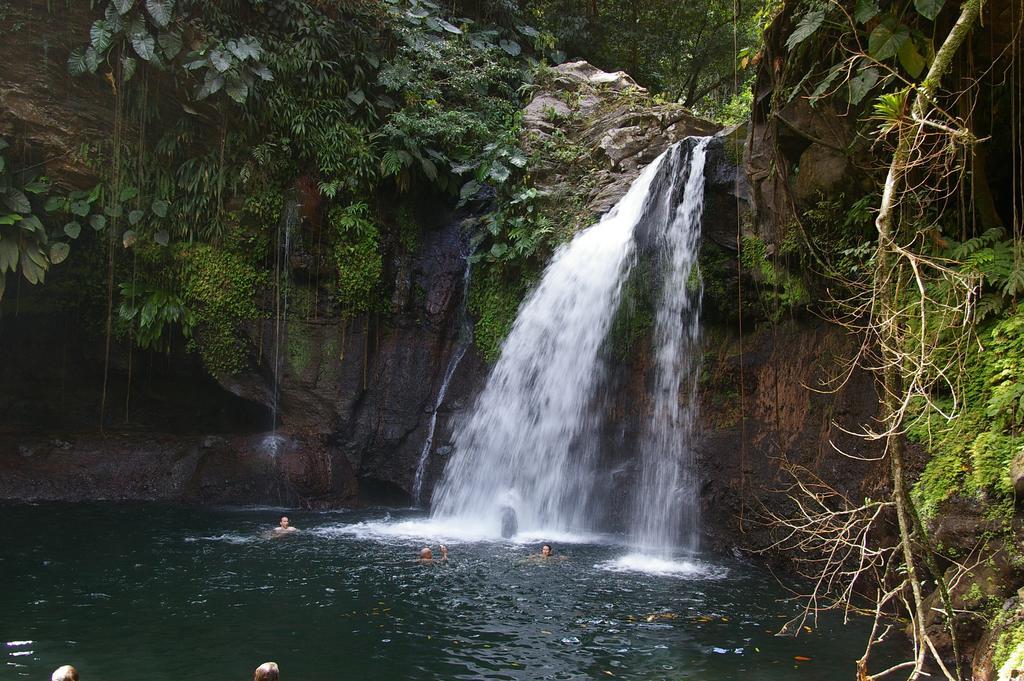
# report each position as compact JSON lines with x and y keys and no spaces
{"x":220,"y":288}
{"x":1008,"y":653}
{"x":357,"y":258}
{"x":971,"y":454}
{"x":783,"y":290}
{"x":495,"y":293}
{"x":25,"y":243}
{"x":154,"y":314}
{"x":635,"y":316}
{"x":683,"y":49}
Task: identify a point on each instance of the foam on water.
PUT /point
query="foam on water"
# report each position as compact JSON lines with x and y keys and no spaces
{"x":228,"y":537}
{"x":663,"y":567}
{"x":449,"y":531}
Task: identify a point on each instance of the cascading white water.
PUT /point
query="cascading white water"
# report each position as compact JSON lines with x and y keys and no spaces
{"x":531,"y":438}
{"x":665,"y":507}
{"x":282,"y":276}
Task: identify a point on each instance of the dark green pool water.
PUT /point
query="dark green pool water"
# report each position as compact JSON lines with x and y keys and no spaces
{"x":160,"y":593}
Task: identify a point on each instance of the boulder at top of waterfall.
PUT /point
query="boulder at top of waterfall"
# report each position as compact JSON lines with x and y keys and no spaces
{"x":590,"y":133}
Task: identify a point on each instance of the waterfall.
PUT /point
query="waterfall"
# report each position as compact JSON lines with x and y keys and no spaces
{"x":531,"y":440}
{"x":465,"y":339}
{"x":665,"y":507}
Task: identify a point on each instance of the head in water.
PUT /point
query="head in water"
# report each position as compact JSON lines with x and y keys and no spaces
{"x":545,"y":550}
{"x":65,"y":673}
{"x":267,"y":671}
{"x":426,"y":553}
{"x":284,"y":522}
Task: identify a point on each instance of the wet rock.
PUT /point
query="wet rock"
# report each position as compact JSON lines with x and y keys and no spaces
{"x":1017,"y":475}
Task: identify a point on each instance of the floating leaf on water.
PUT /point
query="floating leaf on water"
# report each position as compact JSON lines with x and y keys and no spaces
{"x":801,"y":658}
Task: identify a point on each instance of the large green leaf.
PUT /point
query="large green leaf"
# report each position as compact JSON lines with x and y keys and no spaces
{"x":911,"y":59}
{"x":100,"y":35}
{"x":510,"y":46}
{"x":9,"y":218}
{"x":865,"y":10}
{"x":160,"y":208}
{"x":128,"y":66}
{"x":128,"y":238}
{"x":162,"y":237}
{"x":33,"y":265}
{"x":73,"y":229}
{"x":8,"y":254}
{"x":123,"y":6}
{"x":145,"y":46}
{"x":237,"y":89}
{"x":170,"y":44}
{"x":807,"y":25}
{"x":862,"y":83}
{"x":17,"y":201}
{"x":134,"y":217}
{"x":59,"y":252}
{"x":220,"y":61}
{"x":498,"y":172}
{"x":32,"y":224}
{"x":886,"y":40}
{"x":929,"y":9}
{"x":98,"y":221}
{"x":161,"y":11}
{"x":80,"y":208}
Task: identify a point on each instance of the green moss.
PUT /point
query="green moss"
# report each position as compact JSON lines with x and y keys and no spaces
{"x":494,"y":298}
{"x":300,"y":349}
{"x":635,"y":317}
{"x":971,"y":454}
{"x":783,"y":290}
{"x":1009,"y":650}
{"x":357,"y":258}
{"x":220,"y":287}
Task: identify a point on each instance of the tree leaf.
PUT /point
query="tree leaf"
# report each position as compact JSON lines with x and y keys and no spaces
{"x":145,"y":46}
{"x":123,"y":6}
{"x":911,"y":59}
{"x":100,"y":36}
{"x":220,"y":61}
{"x":17,"y":201}
{"x":498,"y":172}
{"x":128,"y":238}
{"x":929,"y":9}
{"x":213,"y":83}
{"x":518,"y":160}
{"x":357,"y":97}
{"x":73,"y":229}
{"x":886,"y":40}
{"x":33,"y":271}
{"x":98,"y":222}
{"x":40,"y":186}
{"x":127,"y":194}
{"x":237,"y":89}
{"x":80,"y":208}
{"x":469,"y":190}
{"x":128,"y":66}
{"x":76,"y":62}
{"x":451,"y":28}
{"x":263,"y":72}
{"x":510,"y":46}
{"x":170,"y":44}
{"x":53,"y":203}
{"x":162,"y":237}
{"x":161,"y":11}
{"x":862,"y":83}
{"x":160,"y":208}
{"x":865,"y":10}
{"x":9,"y":218}
{"x":9,"y":253}
{"x":59,"y":252}
{"x":807,"y":25}
{"x":114,"y":211}
{"x":31,"y":223}
{"x":134,"y":217}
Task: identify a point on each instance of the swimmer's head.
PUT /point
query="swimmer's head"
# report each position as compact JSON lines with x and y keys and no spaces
{"x":545,"y":550}
{"x":284,"y":522}
{"x":65,"y":673}
{"x":426,"y":553}
{"x":267,"y":671}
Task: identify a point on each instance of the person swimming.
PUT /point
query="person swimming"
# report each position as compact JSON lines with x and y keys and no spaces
{"x":427,"y":556}
{"x":284,"y":527}
{"x":547,"y":553}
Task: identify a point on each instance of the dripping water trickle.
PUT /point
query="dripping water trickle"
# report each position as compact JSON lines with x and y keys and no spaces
{"x":464,"y":340}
